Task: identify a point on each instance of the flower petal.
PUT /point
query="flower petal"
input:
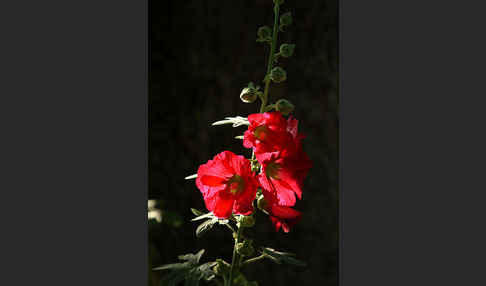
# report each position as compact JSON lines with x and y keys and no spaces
{"x":212,"y":181}
{"x":221,"y":206}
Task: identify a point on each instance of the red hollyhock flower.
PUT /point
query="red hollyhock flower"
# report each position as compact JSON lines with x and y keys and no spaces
{"x":284,"y":177}
{"x":267,"y":132}
{"x":297,"y":157}
{"x":281,"y":216}
{"x":284,"y":217}
{"x":292,"y":128}
{"x":284,"y":165}
{"x":293,"y":148}
{"x":227,"y":185}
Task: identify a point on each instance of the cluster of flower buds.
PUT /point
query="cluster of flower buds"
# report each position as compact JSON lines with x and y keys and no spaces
{"x":277,"y":74}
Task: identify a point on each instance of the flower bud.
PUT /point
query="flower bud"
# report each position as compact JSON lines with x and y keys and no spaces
{"x":287,"y":50}
{"x":245,"y":248}
{"x":246,"y":221}
{"x":286,"y":19}
{"x":248,"y":95}
{"x":284,"y":106}
{"x":264,"y":34}
{"x":278,"y":75}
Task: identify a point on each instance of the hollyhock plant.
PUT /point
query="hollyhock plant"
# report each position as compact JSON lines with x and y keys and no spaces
{"x":234,"y":187}
{"x":227,"y":185}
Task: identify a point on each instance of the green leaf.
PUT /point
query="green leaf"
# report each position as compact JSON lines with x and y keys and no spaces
{"x":192,"y":258}
{"x":173,"y":266}
{"x":192,"y":279}
{"x":236,"y":121}
{"x":206,"y":271}
{"x":189,"y":271}
{"x":196,"y":212}
{"x":203,"y":216}
{"x":282,"y":257}
{"x":205,"y":226}
{"x":173,"y":278}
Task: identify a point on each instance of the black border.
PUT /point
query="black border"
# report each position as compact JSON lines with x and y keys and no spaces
{"x":74,"y":147}
{"x":410,"y":93}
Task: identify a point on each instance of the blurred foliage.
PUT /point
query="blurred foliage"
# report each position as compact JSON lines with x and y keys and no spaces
{"x":202,"y":53}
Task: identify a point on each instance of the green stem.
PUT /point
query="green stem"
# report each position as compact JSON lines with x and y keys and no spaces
{"x":238,"y":234}
{"x":276,"y":9}
{"x":231,"y":228}
{"x":254,"y":259}
{"x":240,"y":260}
{"x":225,"y":280}
{"x":267,"y":80}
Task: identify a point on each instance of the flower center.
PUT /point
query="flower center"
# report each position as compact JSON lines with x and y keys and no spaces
{"x":271,"y":170}
{"x":235,"y":184}
{"x":260,"y":132}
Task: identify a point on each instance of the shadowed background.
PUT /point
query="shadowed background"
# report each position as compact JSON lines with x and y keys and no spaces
{"x":202,"y":53}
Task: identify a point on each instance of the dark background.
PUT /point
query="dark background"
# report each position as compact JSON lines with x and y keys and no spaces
{"x":202,"y":53}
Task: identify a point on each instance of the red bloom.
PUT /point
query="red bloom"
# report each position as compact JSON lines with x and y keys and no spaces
{"x":284,"y":217}
{"x":270,"y":132}
{"x":292,"y":128}
{"x":227,"y":185}
{"x":298,"y":158}
{"x":284,"y":171}
{"x":283,"y":176}
{"x":267,"y":132}
{"x":281,"y":216}
{"x":277,"y":146}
